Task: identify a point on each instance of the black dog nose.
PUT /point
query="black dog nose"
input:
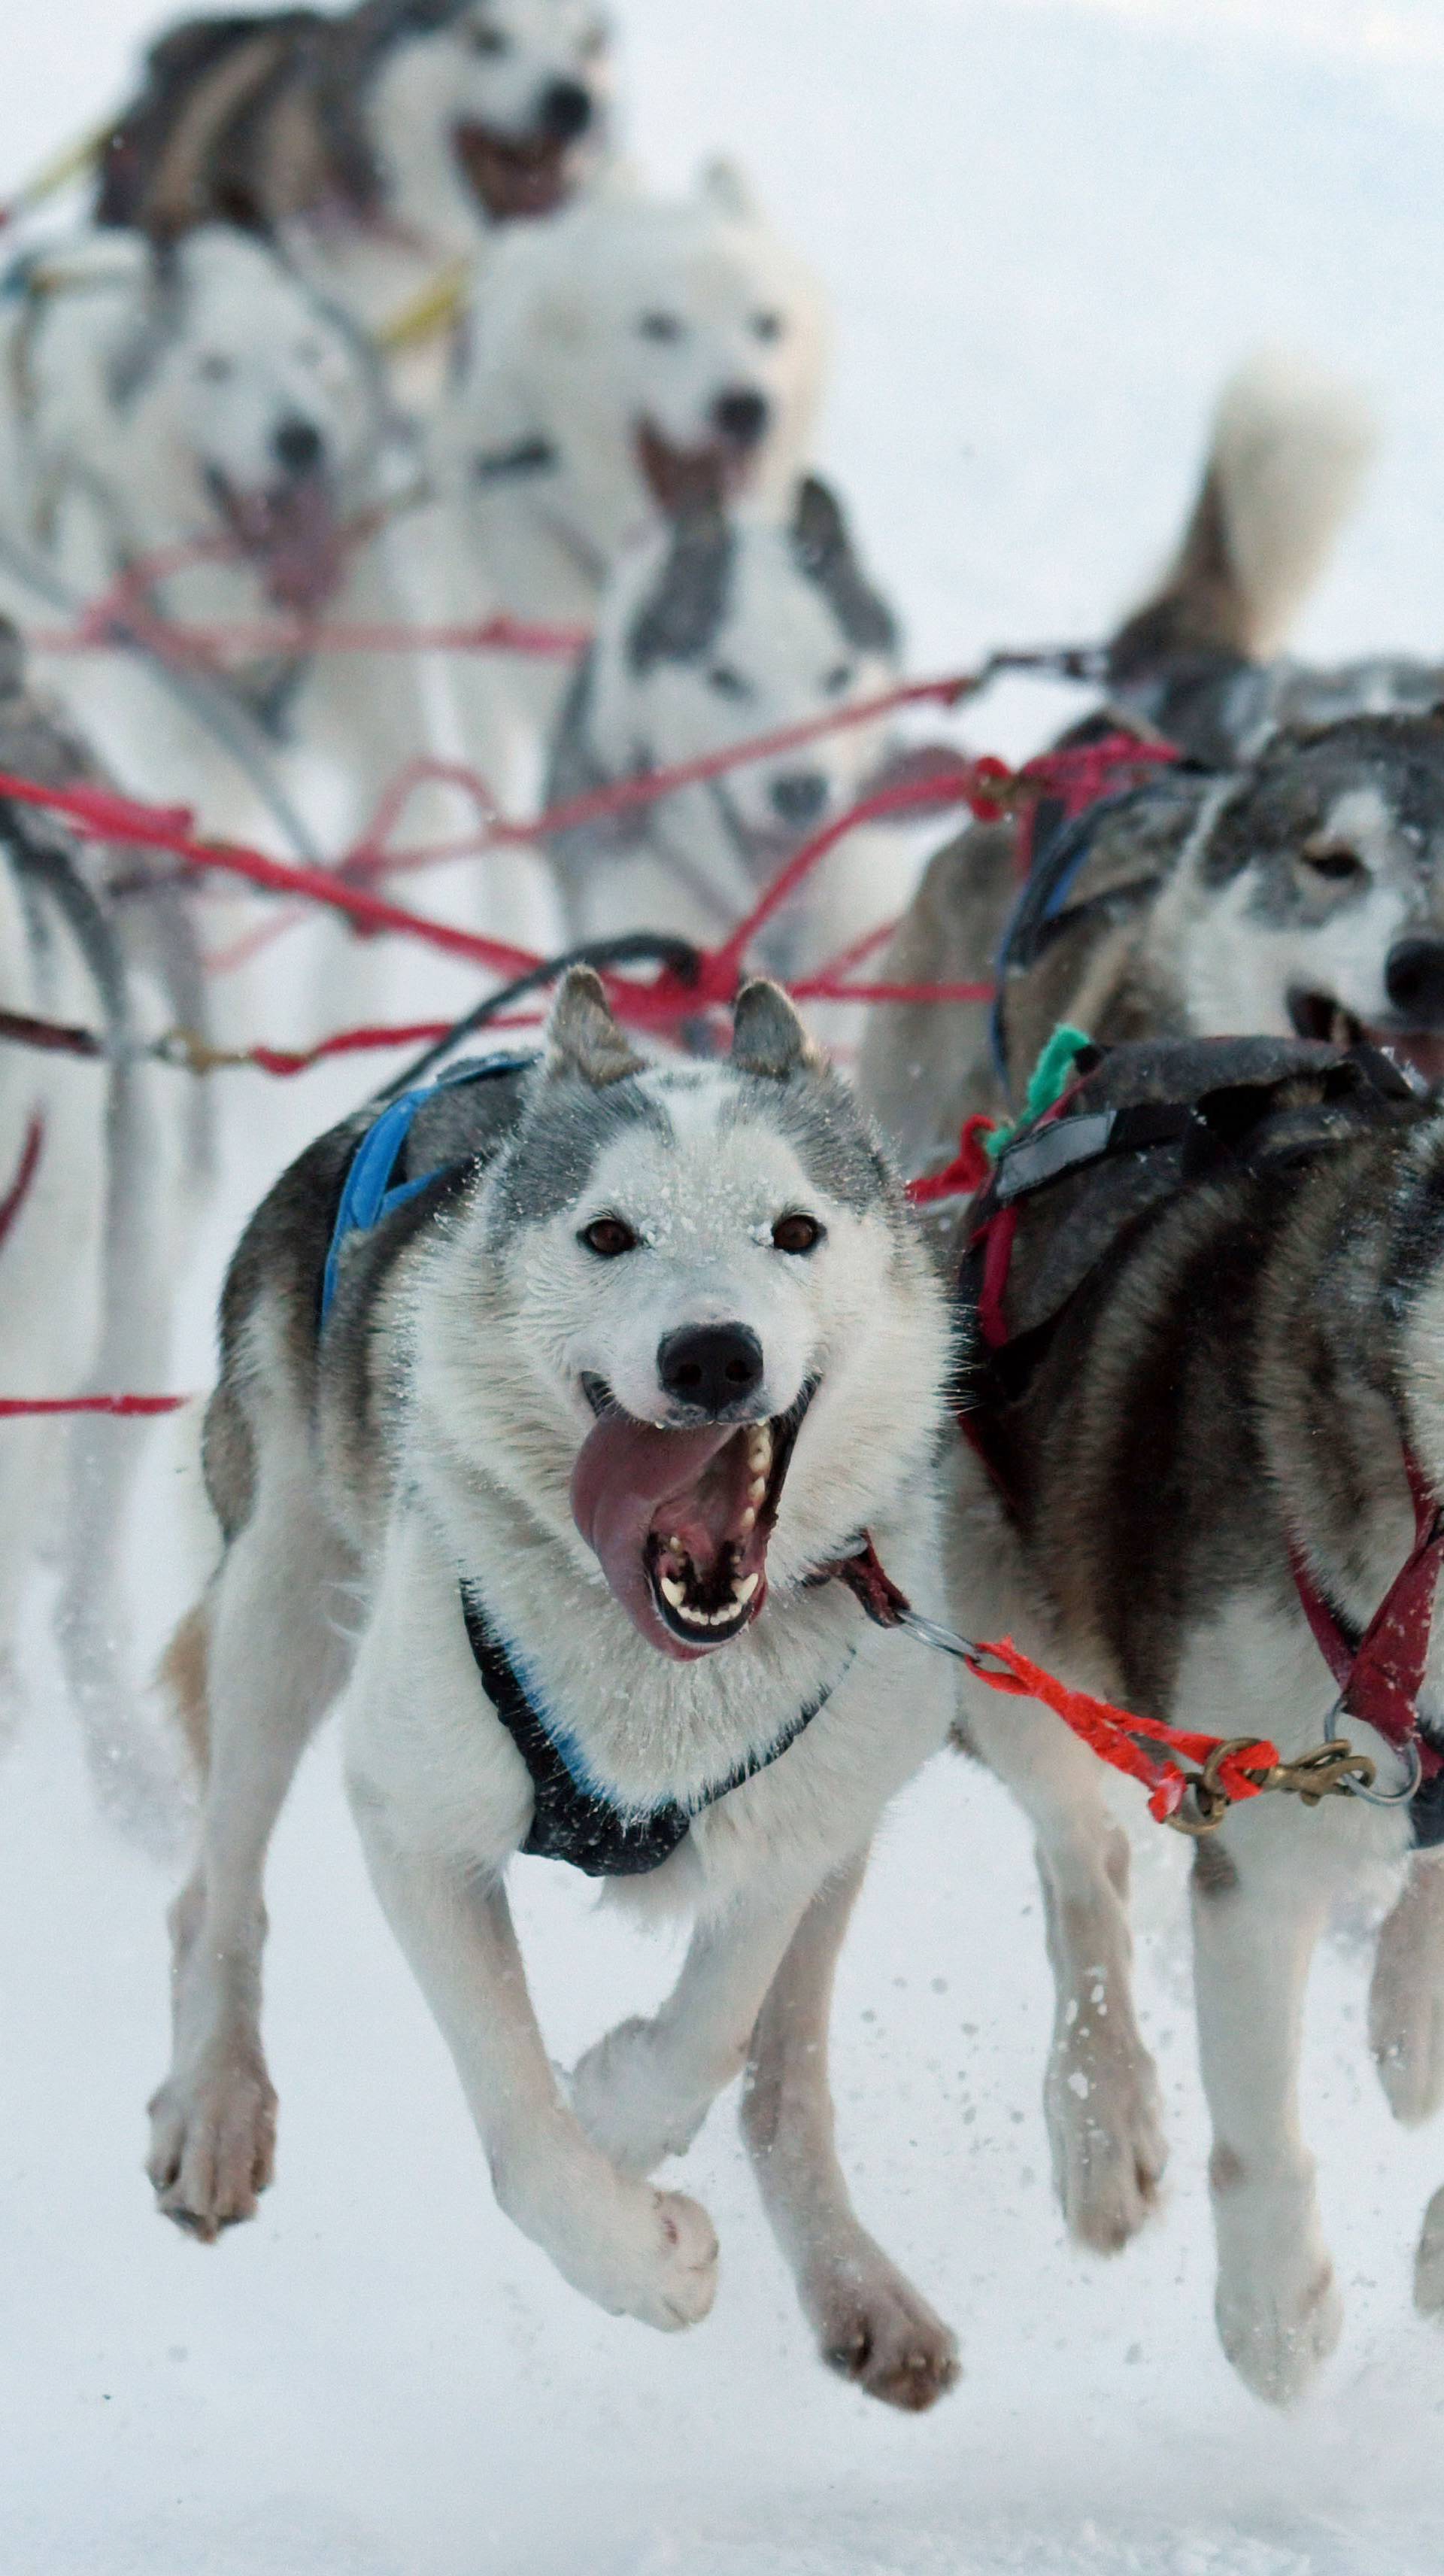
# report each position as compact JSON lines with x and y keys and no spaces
{"x":1414,"y":981}
{"x":710,"y":1366}
{"x":297,"y":445}
{"x":566,"y":110}
{"x":741,"y":415}
{"x":800,"y":796}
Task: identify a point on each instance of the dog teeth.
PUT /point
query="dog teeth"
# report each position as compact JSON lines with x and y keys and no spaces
{"x":759,"y":1450}
{"x":674,"y":1592}
{"x":743,"y":1591}
{"x":755,"y":1492}
{"x":748,"y":1521}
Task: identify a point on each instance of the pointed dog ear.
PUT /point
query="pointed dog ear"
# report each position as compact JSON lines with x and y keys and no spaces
{"x":768,"y":1038}
{"x":822,"y":550}
{"x":583,"y":1037}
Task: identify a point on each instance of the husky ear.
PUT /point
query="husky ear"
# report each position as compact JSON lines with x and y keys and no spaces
{"x":686,"y":606}
{"x":822,"y":549}
{"x":768,"y":1038}
{"x":583,"y":1037}
{"x":721,"y":186}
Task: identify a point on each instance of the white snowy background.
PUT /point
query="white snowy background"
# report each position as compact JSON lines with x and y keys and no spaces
{"x":1048,"y":231}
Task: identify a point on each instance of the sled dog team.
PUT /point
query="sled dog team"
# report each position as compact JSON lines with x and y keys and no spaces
{"x":626,"y":1390}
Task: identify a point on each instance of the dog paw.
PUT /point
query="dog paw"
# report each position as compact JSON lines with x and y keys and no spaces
{"x":877,"y":2330}
{"x":1105,"y":2131}
{"x":622,"y":2100}
{"x":1406,"y":2033}
{"x":1278,"y":2335}
{"x":656,"y":2260}
{"x":1429,"y":2261}
{"x":213,"y":2145}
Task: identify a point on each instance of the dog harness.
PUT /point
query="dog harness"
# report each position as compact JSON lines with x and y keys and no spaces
{"x":569,"y":1820}
{"x":1227,"y":1106}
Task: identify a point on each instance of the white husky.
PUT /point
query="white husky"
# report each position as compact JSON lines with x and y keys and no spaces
{"x":584,"y":1377}
{"x":633,"y":355}
{"x":201,"y":399}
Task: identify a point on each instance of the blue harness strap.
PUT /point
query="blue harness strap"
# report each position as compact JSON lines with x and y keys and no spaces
{"x":368,"y":1196}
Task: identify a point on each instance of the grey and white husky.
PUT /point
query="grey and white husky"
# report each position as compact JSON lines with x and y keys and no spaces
{"x":724,"y":626}
{"x":578,"y":1375}
{"x":378,"y":143}
{"x":1286,"y":879}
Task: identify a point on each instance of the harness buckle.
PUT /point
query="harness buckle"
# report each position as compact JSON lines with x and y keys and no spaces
{"x":1330,"y":1770}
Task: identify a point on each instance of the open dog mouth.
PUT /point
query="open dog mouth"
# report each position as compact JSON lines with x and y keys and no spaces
{"x":681,"y":479}
{"x":291,"y":531}
{"x":680,"y":1521}
{"x":1320,"y":1016}
{"x":513,"y":177}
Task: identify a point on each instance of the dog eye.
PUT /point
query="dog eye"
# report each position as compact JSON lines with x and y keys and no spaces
{"x":214,"y":369}
{"x":489,"y":40}
{"x":837,"y":679}
{"x":1335,"y":866}
{"x":607,"y":1236}
{"x":797,"y":1233}
{"x":660,"y":326}
{"x":767,"y":326}
{"x":727,"y":683}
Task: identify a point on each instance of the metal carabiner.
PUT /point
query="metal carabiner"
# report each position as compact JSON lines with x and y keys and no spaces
{"x":1371,"y":1796}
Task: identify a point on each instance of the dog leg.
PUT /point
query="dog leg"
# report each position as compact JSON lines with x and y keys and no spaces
{"x":1100,"y":2094}
{"x":275,"y":1663}
{"x":1279,"y":2312}
{"x":1406,"y":1997}
{"x":643,"y":2091}
{"x":872,"y":2326}
{"x":636,"y":2251}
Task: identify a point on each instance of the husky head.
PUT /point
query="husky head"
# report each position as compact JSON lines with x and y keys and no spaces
{"x":666,"y":354}
{"x":728,"y":626}
{"x":1319,"y":889}
{"x":725,"y":1346}
{"x":245,"y":407}
{"x":509,"y":97}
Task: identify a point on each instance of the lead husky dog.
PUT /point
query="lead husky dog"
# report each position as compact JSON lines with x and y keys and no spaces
{"x":102,"y":1164}
{"x":605,"y":1366}
{"x":379,"y":145}
{"x":724,"y":626}
{"x":635,"y":355}
{"x":201,"y":398}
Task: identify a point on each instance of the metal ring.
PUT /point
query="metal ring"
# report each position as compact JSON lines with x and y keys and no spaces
{"x":1378,"y":1797}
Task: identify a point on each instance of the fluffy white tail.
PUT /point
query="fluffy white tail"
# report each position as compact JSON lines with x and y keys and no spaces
{"x":1289,"y":449}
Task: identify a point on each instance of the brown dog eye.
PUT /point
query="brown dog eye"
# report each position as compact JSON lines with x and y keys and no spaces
{"x":607,"y":1236}
{"x":1336,"y":867}
{"x":796,"y":1233}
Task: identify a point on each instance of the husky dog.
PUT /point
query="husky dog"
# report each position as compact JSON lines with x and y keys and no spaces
{"x":1204,"y":1408}
{"x":104,"y":1162}
{"x":1273,"y":883}
{"x":378,"y":145}
{"x":635,"y":355}
{"x":724,"y":626}
{"x":199,"y":398}
{"x":605,"y":1366}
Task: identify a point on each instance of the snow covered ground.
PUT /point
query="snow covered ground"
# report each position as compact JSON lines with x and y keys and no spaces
{"x":1048,"y":230}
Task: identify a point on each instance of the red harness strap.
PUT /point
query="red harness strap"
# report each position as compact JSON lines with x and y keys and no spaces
{"x":19,"y":1190}
{"x":1380,"y":1677}
{"x":1239,"y":1766}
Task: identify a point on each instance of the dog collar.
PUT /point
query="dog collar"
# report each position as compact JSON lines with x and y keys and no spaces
{"x":1380,"y":1669}
{"x":571,"y":1822}
{"x":369,"y":1194}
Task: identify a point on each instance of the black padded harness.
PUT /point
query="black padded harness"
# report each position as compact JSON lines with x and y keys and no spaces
{"x":573,"y":1823}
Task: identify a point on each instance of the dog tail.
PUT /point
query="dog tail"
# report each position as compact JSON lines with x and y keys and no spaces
{"x":1286,"y":457}
{"x":184,"y":1677}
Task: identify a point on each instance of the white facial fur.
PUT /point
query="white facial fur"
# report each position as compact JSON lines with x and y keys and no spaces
{"x":1238,"y":968}
{"x":630,"y":310}
{"x":254,"y":352}
{"x":779,"y":658}
{"x":491,"y":67}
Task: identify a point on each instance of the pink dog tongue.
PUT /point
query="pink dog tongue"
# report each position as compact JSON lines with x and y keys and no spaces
{"x":624,"y":1474}
{"x":305,"y":547}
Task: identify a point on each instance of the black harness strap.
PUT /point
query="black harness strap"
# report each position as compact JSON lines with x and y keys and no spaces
{"x":572,"y":1823}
